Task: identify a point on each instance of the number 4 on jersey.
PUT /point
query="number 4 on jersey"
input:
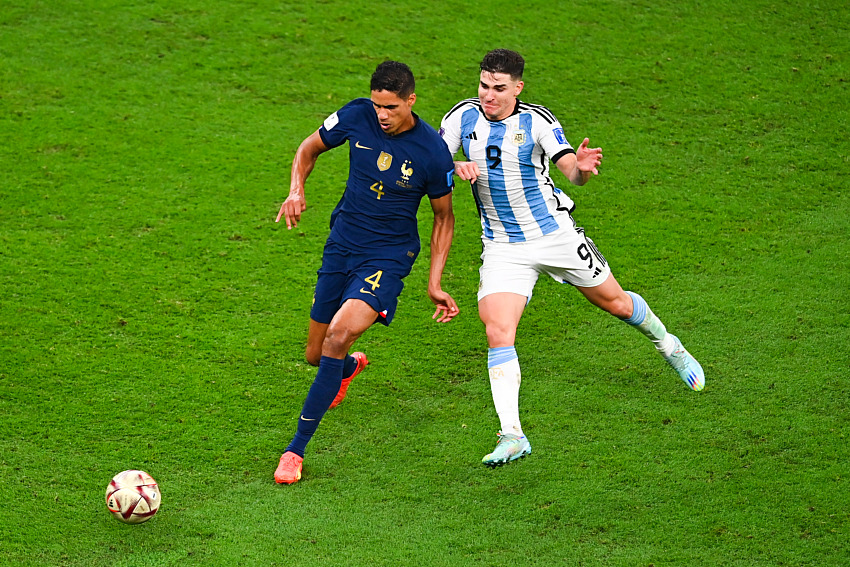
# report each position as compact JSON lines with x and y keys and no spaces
{"x":378,"y":188}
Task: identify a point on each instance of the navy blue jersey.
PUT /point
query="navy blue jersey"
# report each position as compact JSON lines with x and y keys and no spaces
{"x":387,"y":178}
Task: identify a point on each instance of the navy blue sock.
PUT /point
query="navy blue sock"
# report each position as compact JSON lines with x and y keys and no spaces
{"x":349,"y":367}
{"x":322,"y":393}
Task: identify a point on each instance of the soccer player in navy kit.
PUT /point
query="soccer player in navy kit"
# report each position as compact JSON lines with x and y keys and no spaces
{"x":395,"y":160}
{"x":528,"y":230}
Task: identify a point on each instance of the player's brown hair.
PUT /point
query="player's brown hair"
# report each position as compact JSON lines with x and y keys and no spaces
{"x":504,"y":61}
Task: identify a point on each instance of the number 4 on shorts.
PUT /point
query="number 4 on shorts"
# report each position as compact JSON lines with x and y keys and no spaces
{"x":374,"y":279}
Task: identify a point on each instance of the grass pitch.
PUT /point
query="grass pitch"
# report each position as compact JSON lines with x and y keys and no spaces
{"x":153,"y":315}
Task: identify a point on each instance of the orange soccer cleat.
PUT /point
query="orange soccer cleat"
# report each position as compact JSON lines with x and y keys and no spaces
{"x":289,"y":469}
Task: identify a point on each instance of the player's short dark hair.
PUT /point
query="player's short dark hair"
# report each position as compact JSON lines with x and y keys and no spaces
{"x":394,"y":77}
{"x":504,"y":61}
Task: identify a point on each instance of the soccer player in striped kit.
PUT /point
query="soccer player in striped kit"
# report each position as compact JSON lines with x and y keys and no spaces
{"x":528,"y":230}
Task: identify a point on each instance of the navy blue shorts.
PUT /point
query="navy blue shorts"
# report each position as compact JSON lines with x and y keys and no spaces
{"x":345,"y":275}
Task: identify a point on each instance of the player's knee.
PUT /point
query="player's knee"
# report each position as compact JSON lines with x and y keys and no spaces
{"x":337,"y":341}
{"x":313,"y":352}
{"x":500,"y":335}
{"x":620,"y":307}
{"x":313,"y":357}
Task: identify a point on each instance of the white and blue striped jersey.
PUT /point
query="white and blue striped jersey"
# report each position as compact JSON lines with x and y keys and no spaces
{"x":516,"y":198}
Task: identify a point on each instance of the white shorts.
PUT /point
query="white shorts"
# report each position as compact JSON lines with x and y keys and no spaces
{"x":566,"y":254}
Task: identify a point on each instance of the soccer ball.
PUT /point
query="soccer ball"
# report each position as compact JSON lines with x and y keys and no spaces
{"x":133,"y":497}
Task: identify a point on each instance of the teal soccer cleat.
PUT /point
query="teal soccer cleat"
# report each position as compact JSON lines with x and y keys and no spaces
{"x":510,"y":447}
{"x":687,"y":366}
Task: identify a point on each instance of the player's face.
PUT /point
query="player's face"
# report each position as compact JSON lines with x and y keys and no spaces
{"x":395,"y":115}
{"x":497,"y":93}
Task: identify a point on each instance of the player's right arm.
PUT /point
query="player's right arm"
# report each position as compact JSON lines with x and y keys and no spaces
{"x":305,"y":159}
{"x":450,"y":133}
{"x":467,"y":170}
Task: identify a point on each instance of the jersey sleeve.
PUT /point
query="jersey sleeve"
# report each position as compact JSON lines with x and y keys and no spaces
{"x":441,"y":175}
{"x":554,"y":142}
{"x":337,"y":127}
{"x":450,"y":131}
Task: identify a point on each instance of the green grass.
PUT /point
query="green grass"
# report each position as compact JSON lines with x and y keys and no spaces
{"x":153,"y":315}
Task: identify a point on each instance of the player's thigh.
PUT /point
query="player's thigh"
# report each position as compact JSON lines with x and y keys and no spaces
{"x":506,"y":268}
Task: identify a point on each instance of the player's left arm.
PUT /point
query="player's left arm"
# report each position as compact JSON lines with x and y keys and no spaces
{"x":441,"y":242}
{"x":578,"y":167}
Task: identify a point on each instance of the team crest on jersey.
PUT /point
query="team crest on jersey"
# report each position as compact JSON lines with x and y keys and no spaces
{"x":406,"y":172}
{"x":385,"y":160}
{"x":518,"y":137}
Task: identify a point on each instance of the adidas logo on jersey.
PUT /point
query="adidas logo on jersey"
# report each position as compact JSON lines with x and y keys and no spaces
{"x":473,"y":136}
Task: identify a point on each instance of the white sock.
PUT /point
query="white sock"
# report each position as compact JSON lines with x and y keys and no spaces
{"x":505,"y":378}
{"x":647,"y":323}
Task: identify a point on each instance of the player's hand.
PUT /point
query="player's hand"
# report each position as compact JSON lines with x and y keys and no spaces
{"x":446,"y":307}
{"x":588,"y":159}
{"x":292,"y":208}
{"x":467,"y":170}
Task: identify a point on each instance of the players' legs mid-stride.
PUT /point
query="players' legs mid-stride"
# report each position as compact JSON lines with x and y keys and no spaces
{"x":500,"y":313}
{"x":353,"y":365}
{"x":633,"y":309}
{"x":349,"y":323}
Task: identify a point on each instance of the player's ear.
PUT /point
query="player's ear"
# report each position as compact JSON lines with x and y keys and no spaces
{"x":519,"y":87}
{"x":411,"y":99}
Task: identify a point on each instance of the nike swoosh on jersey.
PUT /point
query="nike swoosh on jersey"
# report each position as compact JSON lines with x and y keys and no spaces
{"x":357,"y":145}
{"x":364,"y":290}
